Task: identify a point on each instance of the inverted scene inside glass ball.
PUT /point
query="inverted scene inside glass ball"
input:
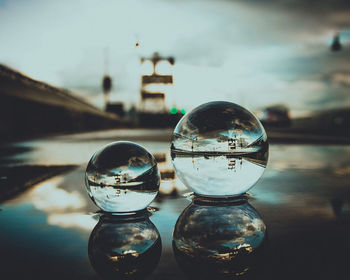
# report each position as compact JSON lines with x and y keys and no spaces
{"x":219,"y":149}
{"x":122,"y":177}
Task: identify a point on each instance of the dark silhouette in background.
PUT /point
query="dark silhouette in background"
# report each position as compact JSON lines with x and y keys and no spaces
{"x":30,"y":108}
{"x":336,"y":45}
{"x":107,"y":86}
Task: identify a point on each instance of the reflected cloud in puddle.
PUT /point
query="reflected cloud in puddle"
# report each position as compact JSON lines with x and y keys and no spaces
{"x":48,"y":197}
{"x":64,"y":209}
{"x":74,"y":220}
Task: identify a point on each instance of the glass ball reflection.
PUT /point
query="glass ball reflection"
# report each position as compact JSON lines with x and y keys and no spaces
{"x":122,"y":177}
{"x":124,"y":247}
{"x":219,"y":149}
{"x":219,"y":240}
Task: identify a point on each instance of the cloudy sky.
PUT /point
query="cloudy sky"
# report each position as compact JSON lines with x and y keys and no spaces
{"x":254,"y":53}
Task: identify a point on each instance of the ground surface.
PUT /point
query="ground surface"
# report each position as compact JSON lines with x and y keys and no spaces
{"x":303,"y":198}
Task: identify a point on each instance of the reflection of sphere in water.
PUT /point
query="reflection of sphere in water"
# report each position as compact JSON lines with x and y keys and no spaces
{"x":219,"y":149}
{"x":125,"y":248}
{"x":213,"y":240}
{"x":122,"y":177}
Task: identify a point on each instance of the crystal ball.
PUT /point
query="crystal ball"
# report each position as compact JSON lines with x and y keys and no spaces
{"x":122,"y":177}
{"x":219,"y":149}
{"x":124,"y":247}
{"x":219,"y":240}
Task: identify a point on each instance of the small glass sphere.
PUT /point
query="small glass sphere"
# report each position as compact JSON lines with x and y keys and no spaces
{"x":218,"y":240}
{"x":124,"y":247}
{"x":122,"y":177}
{"x":219,"y":149}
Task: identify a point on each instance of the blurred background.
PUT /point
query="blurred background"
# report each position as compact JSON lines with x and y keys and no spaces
{"x":76,"y":75}
{"x":101,"y":64}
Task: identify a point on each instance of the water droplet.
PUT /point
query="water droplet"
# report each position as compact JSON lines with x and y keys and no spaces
{"x":219,"y":149}
{"x":219,"y":239}
{"x":122,"y":177}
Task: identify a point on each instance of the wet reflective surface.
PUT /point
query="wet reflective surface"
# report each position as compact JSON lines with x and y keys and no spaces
{"x":122,"y":177}
{"x":219,"y":149}
{"x":303,"y":199}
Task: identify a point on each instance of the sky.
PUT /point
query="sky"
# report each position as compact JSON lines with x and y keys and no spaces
{"x":254,"y":53}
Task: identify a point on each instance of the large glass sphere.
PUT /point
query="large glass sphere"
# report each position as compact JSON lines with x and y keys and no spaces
{"x":219,"y":240}
{"x":124,"y":247}
{"x":219,"y":149}
{"x":122,"y":177}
